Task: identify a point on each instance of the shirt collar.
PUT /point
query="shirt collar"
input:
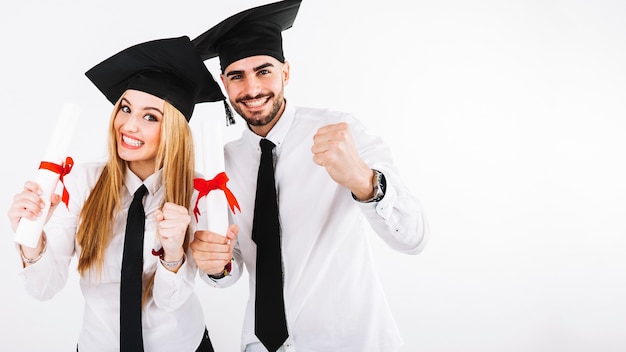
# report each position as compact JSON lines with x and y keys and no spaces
{"x":133,"y":182}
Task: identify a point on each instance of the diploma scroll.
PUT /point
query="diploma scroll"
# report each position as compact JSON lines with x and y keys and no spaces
{"x":212,"y":144}
{"x":29,"y":231}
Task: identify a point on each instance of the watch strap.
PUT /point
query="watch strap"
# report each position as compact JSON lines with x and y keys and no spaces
{"x":380,"y":186}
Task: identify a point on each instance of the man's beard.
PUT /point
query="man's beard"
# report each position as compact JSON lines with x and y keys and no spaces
{"x":257,"y":119}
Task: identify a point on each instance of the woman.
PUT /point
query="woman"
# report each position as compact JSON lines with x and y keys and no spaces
{"x":154,"y":87}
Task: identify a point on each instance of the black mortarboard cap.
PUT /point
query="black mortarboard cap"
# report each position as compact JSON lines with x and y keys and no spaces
{"x":170,"y":69}
{"x":256,"y":31}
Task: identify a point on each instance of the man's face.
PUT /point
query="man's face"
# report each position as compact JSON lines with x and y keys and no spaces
{"x":255,"y":87}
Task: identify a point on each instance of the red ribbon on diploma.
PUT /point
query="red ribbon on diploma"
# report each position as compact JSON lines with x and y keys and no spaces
{"x":62,"y":170}
{"x":218,"y":182}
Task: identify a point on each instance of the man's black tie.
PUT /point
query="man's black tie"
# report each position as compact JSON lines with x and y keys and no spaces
{"x":132,"y":267}
{"x":270,"y":324}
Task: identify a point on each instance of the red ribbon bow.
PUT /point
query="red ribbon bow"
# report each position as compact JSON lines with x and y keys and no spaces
{"x":218,"y":182}
{"x":62,"y":170}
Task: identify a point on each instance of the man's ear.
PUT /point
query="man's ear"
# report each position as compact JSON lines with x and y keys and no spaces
{"x":286,"y":73}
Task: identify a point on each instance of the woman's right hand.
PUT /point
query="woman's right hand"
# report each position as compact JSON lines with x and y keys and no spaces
{"x":28,"y":204}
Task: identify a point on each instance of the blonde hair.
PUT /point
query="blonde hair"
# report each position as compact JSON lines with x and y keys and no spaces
{"x":175,"y":156}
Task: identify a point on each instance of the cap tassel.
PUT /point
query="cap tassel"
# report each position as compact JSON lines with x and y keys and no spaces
{"x":230,"y":120}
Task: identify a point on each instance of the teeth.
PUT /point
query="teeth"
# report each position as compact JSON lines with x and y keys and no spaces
{"x":132,"y":141}
{"x":255,"y":103}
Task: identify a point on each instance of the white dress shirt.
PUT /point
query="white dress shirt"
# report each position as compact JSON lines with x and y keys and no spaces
{"x":334,"y":300}
{"x":172,"y":318}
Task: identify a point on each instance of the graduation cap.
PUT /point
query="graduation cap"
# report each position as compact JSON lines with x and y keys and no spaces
{"x":256,"y":31}
{"x":167,"y":68}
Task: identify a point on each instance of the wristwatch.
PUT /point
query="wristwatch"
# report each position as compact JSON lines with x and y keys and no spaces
{"x":223,"y":273}
{"x":380,"y":186}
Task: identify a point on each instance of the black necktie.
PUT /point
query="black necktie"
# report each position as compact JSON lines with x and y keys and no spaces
{"x":132,"y":268}
{"x":270,"y":325}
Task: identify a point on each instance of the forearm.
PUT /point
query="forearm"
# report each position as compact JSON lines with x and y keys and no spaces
{"x":173,"y":287}
{"x":48,"y":275}
{"x":399,"y":220}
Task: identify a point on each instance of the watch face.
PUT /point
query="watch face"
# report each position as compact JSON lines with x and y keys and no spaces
{"x":379,"y":187}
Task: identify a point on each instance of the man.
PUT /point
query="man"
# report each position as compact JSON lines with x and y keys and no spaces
{"x":333,"y":179}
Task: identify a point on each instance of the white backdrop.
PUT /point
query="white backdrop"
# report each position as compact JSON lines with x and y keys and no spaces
{"x":507,"y":119}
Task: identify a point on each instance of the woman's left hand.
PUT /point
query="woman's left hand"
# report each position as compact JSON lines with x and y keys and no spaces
{"x":172,"y":222}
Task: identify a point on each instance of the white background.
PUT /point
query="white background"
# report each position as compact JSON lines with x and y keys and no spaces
{"x":507,"y":119}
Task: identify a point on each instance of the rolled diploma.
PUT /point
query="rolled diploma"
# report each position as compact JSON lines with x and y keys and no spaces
{"x":28,"y":231}
{"x":212,"y":143}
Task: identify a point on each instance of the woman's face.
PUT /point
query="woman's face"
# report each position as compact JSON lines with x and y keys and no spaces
{"x":138,"y":129}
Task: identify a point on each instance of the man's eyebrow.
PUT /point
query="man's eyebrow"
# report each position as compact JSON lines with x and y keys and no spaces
{"x":233,"y":73}
{"x":269,"y":64}
{"x":256,"y":69}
